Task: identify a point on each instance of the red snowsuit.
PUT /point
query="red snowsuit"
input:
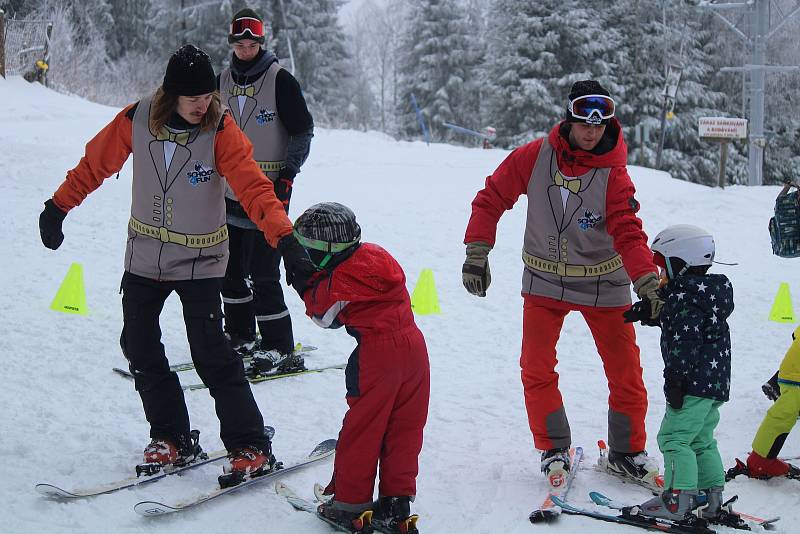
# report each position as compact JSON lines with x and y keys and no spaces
{"x":387,"y":376}
{"x":543,"y":316}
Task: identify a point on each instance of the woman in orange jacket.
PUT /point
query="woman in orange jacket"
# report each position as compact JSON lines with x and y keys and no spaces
{"x":185,"y":148}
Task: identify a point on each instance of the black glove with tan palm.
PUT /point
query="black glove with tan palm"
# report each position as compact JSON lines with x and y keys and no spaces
{"x":475,"y":272}
{"x":646,"y":287}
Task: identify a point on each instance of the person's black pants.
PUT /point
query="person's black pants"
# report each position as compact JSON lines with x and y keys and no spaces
{"x":241,"y":423}
{"x":250,"y":255}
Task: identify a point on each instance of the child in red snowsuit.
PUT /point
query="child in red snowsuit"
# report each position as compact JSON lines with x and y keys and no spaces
{"x":362,"y":287}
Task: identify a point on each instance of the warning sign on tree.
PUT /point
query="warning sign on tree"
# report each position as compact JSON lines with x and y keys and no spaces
{"x":723,"y":127}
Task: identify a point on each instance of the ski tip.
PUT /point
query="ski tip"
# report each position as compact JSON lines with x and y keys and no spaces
{"x":319,"y":493}
{"x":598,"y":498}
{"x":324,"y":448}
{"x":54,"y":492}
{"x":151,"y":508}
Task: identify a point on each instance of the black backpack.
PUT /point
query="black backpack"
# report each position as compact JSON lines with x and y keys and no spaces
{"x":784,"y":227}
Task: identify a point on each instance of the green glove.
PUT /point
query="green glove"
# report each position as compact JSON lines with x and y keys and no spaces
{"x":646,"y":287}
{"x":475,"y":272}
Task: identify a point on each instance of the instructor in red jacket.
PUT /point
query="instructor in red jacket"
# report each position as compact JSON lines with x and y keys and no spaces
{"x":583,"y":245}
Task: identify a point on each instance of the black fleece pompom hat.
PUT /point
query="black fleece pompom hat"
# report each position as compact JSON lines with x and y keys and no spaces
{"x":583,"y":88}
{"x":189,"y":73}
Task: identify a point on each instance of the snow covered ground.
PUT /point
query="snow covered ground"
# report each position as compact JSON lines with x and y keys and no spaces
{"x":67,"y":419}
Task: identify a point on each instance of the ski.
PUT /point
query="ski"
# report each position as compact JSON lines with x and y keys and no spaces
{"x":548,"y":511}
{"x":654,"y":484}
{"x":741,"y":469}
{"x":299,"y":348}
{"x":305,"y":505}
{"x":56,"y":492}
{"x":253,"y":379}
{"x":323,"y":450}
{"x":767,"y":524}
{"x":189,"y":366}
{"x":265,"y":378}
{"x":648,"y":523}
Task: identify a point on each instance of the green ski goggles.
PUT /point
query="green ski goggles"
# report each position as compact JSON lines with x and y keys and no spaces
{"x":324,"y":246}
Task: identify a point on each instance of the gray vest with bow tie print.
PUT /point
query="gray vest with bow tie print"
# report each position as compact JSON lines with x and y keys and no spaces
{"x":568,"y":253}
{"x":255,"y":111}
{"x":177,"y":227}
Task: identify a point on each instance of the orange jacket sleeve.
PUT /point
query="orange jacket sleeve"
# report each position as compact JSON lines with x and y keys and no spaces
{"x":233,"y":153}
{"x":503,"y":188}
{"x":625,"y":227}
{"x":105,"y":155}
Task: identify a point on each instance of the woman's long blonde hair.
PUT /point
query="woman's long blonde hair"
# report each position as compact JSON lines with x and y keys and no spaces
{"x":164,"y":104}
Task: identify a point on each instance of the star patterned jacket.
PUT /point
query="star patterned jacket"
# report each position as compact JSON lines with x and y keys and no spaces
{"x":695,"y":338}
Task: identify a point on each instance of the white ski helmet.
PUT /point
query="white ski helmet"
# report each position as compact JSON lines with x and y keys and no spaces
{"x":686,"y":242}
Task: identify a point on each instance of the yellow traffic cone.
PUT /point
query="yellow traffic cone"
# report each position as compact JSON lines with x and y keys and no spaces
{"x":71,"y":296}
{"x":423,"y":299}
{"x":782,"y":311}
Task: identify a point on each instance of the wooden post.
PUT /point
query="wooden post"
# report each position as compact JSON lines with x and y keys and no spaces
{"x":723,"y":159}
{"x":2,"y":43}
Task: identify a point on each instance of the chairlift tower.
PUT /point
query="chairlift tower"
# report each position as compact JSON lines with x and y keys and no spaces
{"x":756,"y":13}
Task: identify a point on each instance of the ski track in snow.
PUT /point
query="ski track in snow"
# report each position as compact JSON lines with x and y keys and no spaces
{"x":68,"y":420}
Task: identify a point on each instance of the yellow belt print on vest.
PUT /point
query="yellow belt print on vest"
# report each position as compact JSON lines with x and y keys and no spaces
{"x":565,"y":269}
{"x":186,"y":240}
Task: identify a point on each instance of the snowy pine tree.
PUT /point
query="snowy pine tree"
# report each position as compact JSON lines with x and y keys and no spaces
{"x":436,"y":65}
{"x":320,"y":54}
{"x":537,"y":50}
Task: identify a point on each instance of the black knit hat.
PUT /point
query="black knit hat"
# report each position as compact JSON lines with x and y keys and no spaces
{"x":328,"y":226}
{"x":583,"y":88}
{"x":246,"y":13}
{"x":189,"y":73}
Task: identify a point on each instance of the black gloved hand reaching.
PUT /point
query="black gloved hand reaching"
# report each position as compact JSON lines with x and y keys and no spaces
{"x":641,"y":312}
{"x":50,"y":221}
{"x":299,"y":267}
{"x":771,"y":388}
{"x":674,"y":389}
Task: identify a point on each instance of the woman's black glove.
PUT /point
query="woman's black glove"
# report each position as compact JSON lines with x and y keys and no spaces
{"x":50,"y":225}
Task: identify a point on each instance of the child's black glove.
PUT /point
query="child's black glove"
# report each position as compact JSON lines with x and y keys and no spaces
{"x":641,"y":312}
{"x":299,"y":268}
{"x":771,"y":388}
{"x":674,"y":389}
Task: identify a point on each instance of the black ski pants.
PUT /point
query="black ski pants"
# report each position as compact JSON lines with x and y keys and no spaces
{"x":241,"y":423}
{"x":250,"y":255}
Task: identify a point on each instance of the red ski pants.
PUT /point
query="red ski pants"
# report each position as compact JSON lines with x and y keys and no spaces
{"x":616,"y":343}
{"x":388,"y":390}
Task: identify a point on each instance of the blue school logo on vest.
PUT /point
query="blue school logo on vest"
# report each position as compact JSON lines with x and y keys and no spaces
{"x":589,"y":220}
{"x":200,"y":174}
{"x":264,"y":116}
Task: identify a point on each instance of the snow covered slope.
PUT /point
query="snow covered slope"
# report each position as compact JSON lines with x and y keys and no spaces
{"x":67,"y":419}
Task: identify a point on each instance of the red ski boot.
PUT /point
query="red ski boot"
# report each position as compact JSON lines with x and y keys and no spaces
{"x":760,"y":467}
{"x":247,"y":462}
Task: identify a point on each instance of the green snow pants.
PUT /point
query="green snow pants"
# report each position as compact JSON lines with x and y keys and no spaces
{"x":779,"y":421}
{"x":686,"y":439}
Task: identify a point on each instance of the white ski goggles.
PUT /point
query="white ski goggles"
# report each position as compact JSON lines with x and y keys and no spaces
{"x":593,"y":109}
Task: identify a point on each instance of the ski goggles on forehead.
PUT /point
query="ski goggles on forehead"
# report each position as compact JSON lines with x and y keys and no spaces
{"x":247,"y":24}
{"x":593,"y":109}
